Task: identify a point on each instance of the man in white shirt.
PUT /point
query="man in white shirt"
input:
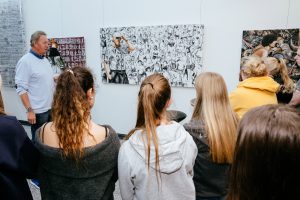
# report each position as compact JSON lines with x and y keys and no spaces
{"x":35,"y":83}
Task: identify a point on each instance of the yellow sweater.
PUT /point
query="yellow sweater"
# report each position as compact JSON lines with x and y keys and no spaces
{"x":253,"y":92}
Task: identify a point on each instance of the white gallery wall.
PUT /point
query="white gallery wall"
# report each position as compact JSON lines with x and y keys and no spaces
{"x":224,"y":21}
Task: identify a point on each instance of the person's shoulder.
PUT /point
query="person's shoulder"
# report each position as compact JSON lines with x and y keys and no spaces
{"x":24,"y":58}
{"x":10,"y":125}
{"x":7,"y":120}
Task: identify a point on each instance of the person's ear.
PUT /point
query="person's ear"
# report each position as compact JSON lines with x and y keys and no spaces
{"x":169,"y":103}
{"x":90,"y":93}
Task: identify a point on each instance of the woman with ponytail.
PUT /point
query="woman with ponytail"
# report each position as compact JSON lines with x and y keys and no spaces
{"x":277,"y":69}
{"x":78,"y":157}
{"x":156,"y":162}
{"x":256,"y":87}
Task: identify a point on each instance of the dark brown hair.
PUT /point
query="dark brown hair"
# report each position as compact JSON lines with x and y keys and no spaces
{"x":154,"y":94}
{"x":266,"y":162}
{"x":71,"y":110}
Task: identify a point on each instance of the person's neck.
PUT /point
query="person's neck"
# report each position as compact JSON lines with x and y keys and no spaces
{"x":164,"y":120}
{"x":35,"y":51}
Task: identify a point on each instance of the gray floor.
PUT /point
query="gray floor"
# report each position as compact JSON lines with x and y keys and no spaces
{"x":36,"y":192}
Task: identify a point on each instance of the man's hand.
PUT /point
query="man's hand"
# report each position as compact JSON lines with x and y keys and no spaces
{"x":31,"y":117}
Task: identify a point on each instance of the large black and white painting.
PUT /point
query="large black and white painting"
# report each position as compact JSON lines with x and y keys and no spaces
{"x":12,"y":39}
{"x":129,"y":54}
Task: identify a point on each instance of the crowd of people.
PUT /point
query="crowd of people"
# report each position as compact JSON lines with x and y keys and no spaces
{"x":239,"y":146}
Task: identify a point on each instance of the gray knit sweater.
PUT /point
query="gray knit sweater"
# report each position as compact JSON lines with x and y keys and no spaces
{"x":93,"y":178}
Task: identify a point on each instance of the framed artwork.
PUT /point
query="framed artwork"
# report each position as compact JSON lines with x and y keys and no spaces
{"x":129,"y":54}
{"x":66,"y":53}
{"x":12,"y":40}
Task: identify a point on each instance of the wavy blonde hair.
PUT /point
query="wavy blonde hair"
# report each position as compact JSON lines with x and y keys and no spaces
{"x":253,"y":66}
{"x":71,"y":110}
{"x":213,"y":107}
{"x":277,"y":66}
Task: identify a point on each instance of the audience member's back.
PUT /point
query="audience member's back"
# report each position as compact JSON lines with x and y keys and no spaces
{"x":266,"y":161}
{"x":78,"y":157}
{"x":19,"y":158}
{"x":256,"y":89}
{"x":156,"y":162}
{"x":213,"y":127}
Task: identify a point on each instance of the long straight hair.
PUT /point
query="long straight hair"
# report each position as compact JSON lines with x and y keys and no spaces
{"x":213,"y":107}
{"x":154,"y":94}
{"x":266,"y":160}
{"x":71,"y":110}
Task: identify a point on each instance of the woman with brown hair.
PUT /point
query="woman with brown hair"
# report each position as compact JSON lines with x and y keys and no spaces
{"x":19,"y":158}
{"x":213,"y":128}
{"x":156,"y":162}
{"x":266,"y":160}
{"x":78,"y":157}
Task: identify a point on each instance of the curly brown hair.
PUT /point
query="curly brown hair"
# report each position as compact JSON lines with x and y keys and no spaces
{"x":71,"y":110}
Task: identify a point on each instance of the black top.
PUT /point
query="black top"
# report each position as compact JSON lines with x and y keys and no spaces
{"x":93,"y":177}
{"x":210,"y":179}
{"x":18,"y":160}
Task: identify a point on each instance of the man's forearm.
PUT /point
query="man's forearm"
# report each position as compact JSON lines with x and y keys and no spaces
{"x":25,"y":100}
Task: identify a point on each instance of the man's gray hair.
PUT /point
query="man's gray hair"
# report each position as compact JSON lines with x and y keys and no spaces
{"x":36,"y":36}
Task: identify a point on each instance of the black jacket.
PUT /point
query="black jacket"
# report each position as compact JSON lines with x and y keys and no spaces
{"x":210,"y":179}
{"x":18,"y":160}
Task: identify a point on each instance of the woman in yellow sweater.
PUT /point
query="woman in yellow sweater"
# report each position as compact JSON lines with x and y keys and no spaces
{"x":255,"y":89}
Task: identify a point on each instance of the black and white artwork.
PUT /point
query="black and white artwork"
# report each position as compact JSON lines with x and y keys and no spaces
{"x":129,"y":54}
{"x":12,"y":39}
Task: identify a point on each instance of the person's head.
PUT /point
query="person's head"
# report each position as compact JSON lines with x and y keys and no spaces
{"x":153,"y":99}
{"x":277,"y":66}
{"x":53,"y":43}
{"x":266,"y":160}
{"x":39,"y":42}
{"x":117,"y":37}
{"x":72,"y":102}
{"x":297,"y":57}
{"x":213,"y":107}
{"x":269,"y":40}
{"x":253,"y":67}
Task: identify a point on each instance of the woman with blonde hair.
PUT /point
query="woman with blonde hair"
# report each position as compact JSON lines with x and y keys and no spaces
{"x":213,"y":128}
{"x":277,"y":69}
{"x":256,"y":87}
{"x":78,"y":157}
{"x":156,"y":162}
{"x":266,"y":159}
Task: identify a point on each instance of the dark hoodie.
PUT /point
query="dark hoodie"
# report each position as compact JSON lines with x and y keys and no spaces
{"x":210,"y":179}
